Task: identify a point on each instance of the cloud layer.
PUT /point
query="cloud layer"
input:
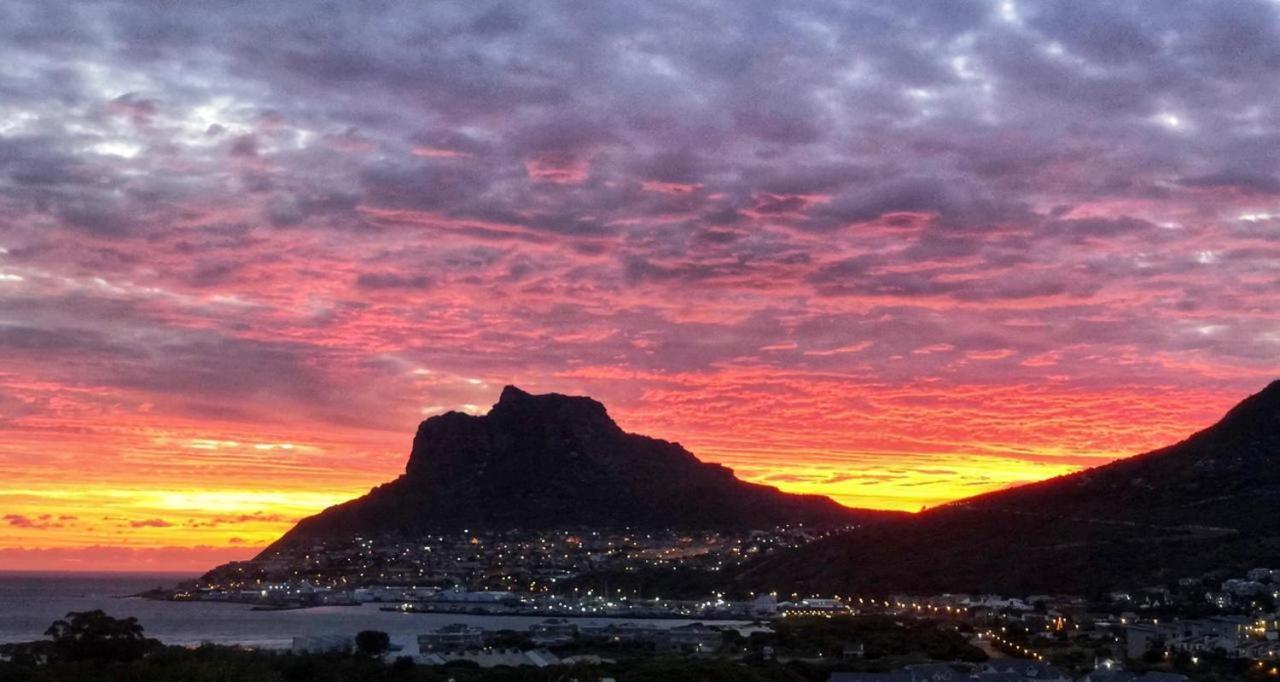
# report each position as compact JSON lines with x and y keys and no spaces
{"x":893,"y":253}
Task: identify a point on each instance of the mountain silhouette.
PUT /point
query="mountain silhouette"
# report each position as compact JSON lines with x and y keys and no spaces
{"x":1210,"y":502}
{"x":547,"y":461}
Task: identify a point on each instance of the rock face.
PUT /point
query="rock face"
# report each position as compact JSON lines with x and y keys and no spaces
{"x":543,"y":461}
{"x":1209,"y":502}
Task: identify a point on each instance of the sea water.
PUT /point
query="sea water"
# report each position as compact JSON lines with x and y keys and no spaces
{"x":29,"y":602}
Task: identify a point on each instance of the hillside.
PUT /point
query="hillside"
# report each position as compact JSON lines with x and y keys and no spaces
{"x":1209,"y":502}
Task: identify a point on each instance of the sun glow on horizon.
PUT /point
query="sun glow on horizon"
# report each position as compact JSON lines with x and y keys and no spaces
{"x":249,"y":488}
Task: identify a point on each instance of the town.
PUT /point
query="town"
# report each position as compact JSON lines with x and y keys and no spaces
{"x":578,"y":571}
{"x":1184,"y":634}
{"x":604,"y":596}
{"x":1041,"y":637}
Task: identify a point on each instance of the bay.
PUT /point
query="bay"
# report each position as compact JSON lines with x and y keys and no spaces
{"x":29,"y":602}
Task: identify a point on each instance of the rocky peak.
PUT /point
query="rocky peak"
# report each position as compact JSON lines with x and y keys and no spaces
{"x":457,"y":444}
{"x":517,"y":403}
{"x":557,"y":461}
{"x":518,"y":412}
{"x":513,"y":394}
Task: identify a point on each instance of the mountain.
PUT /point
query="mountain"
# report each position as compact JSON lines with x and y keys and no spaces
{"x":1209,"y":502}
{"x":545,"y":461}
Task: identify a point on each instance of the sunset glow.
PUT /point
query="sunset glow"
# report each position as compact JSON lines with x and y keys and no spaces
{"x":240,"y":259}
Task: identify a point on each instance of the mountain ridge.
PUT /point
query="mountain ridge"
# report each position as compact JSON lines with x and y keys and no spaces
{"x":1207,"y":502}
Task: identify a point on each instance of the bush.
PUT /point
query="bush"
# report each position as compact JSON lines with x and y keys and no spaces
{"x":372,"y":642}
{"x":95,"y":636}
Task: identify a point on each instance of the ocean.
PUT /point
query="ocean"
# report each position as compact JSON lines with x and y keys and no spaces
{"x":29,"y":602}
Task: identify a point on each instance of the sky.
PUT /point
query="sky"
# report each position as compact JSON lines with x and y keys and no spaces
{"x":893,"y":252}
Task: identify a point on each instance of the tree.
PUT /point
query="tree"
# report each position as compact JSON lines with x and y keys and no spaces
{"x":372,"y":642}
{"x":95,"y":636}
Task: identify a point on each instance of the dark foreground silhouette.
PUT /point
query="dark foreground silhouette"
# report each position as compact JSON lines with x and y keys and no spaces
{"x":91,"y":646}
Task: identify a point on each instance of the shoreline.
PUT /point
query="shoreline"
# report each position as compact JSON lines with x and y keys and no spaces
{"x":587,"y":616}
{"x":522,"y":613}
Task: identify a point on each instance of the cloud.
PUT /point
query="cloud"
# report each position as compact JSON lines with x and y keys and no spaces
{"x":19,"y":521}
{"x":192,"y":561}
{"x":291,"y":226}
{"x":150,"y":523}
{"x":39,"y":522}
{"x":375,"y":280}
{"x":1244,"y":181}
{"x":255,"y":517}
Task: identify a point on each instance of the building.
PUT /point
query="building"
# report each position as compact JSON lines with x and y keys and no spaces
{"x":553,"y":631}
{"x":1009,"y":670}
{"x":454,"y":637}
{"x":489,"y":658}
{"x":764,"y":605}
{"x":1139,"y":639}
{"x":323,"y":644}
{"x":1013,"y":668}
{"x":932,"y":672}
{"x":694,"y":638}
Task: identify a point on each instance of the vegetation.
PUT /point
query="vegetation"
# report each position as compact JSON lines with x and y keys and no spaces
{"x":92,"y":646}
{"x":878,"y":636}
{"x":95,"y":636}
{"x":372,"y":642}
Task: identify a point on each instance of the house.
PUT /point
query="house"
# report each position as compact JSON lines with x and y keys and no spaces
{"x":863,"y":677}
{"x":1257,"y":651}
{"x":932,"y":672}
{"x":694,"y":638}
{"x":1108,"y":675}
{"x":1118,"y":675}
{"x":852,"y":650}
{"x":625,"y":632}
{"x":1139,"y":639}
{"x":1008,"y":670}
{"x":489,"y":658}
{"x":1243,"y":588}
{"x":552,"y":631}
{"x":764,"y":605}
{"x":928,"y":672}
{"x":1018,"y":669}
{"x":1259,"y":575}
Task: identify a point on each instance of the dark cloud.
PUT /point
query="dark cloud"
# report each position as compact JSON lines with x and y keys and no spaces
{"x":1249,"y":182}
{"x":150,"y":523}
{"x":41,"y":522}
{"x":237,"y":519}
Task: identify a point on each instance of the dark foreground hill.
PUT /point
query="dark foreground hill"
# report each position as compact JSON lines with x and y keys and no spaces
{"x":547,"y":461}
{"x":1209,"y":502}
